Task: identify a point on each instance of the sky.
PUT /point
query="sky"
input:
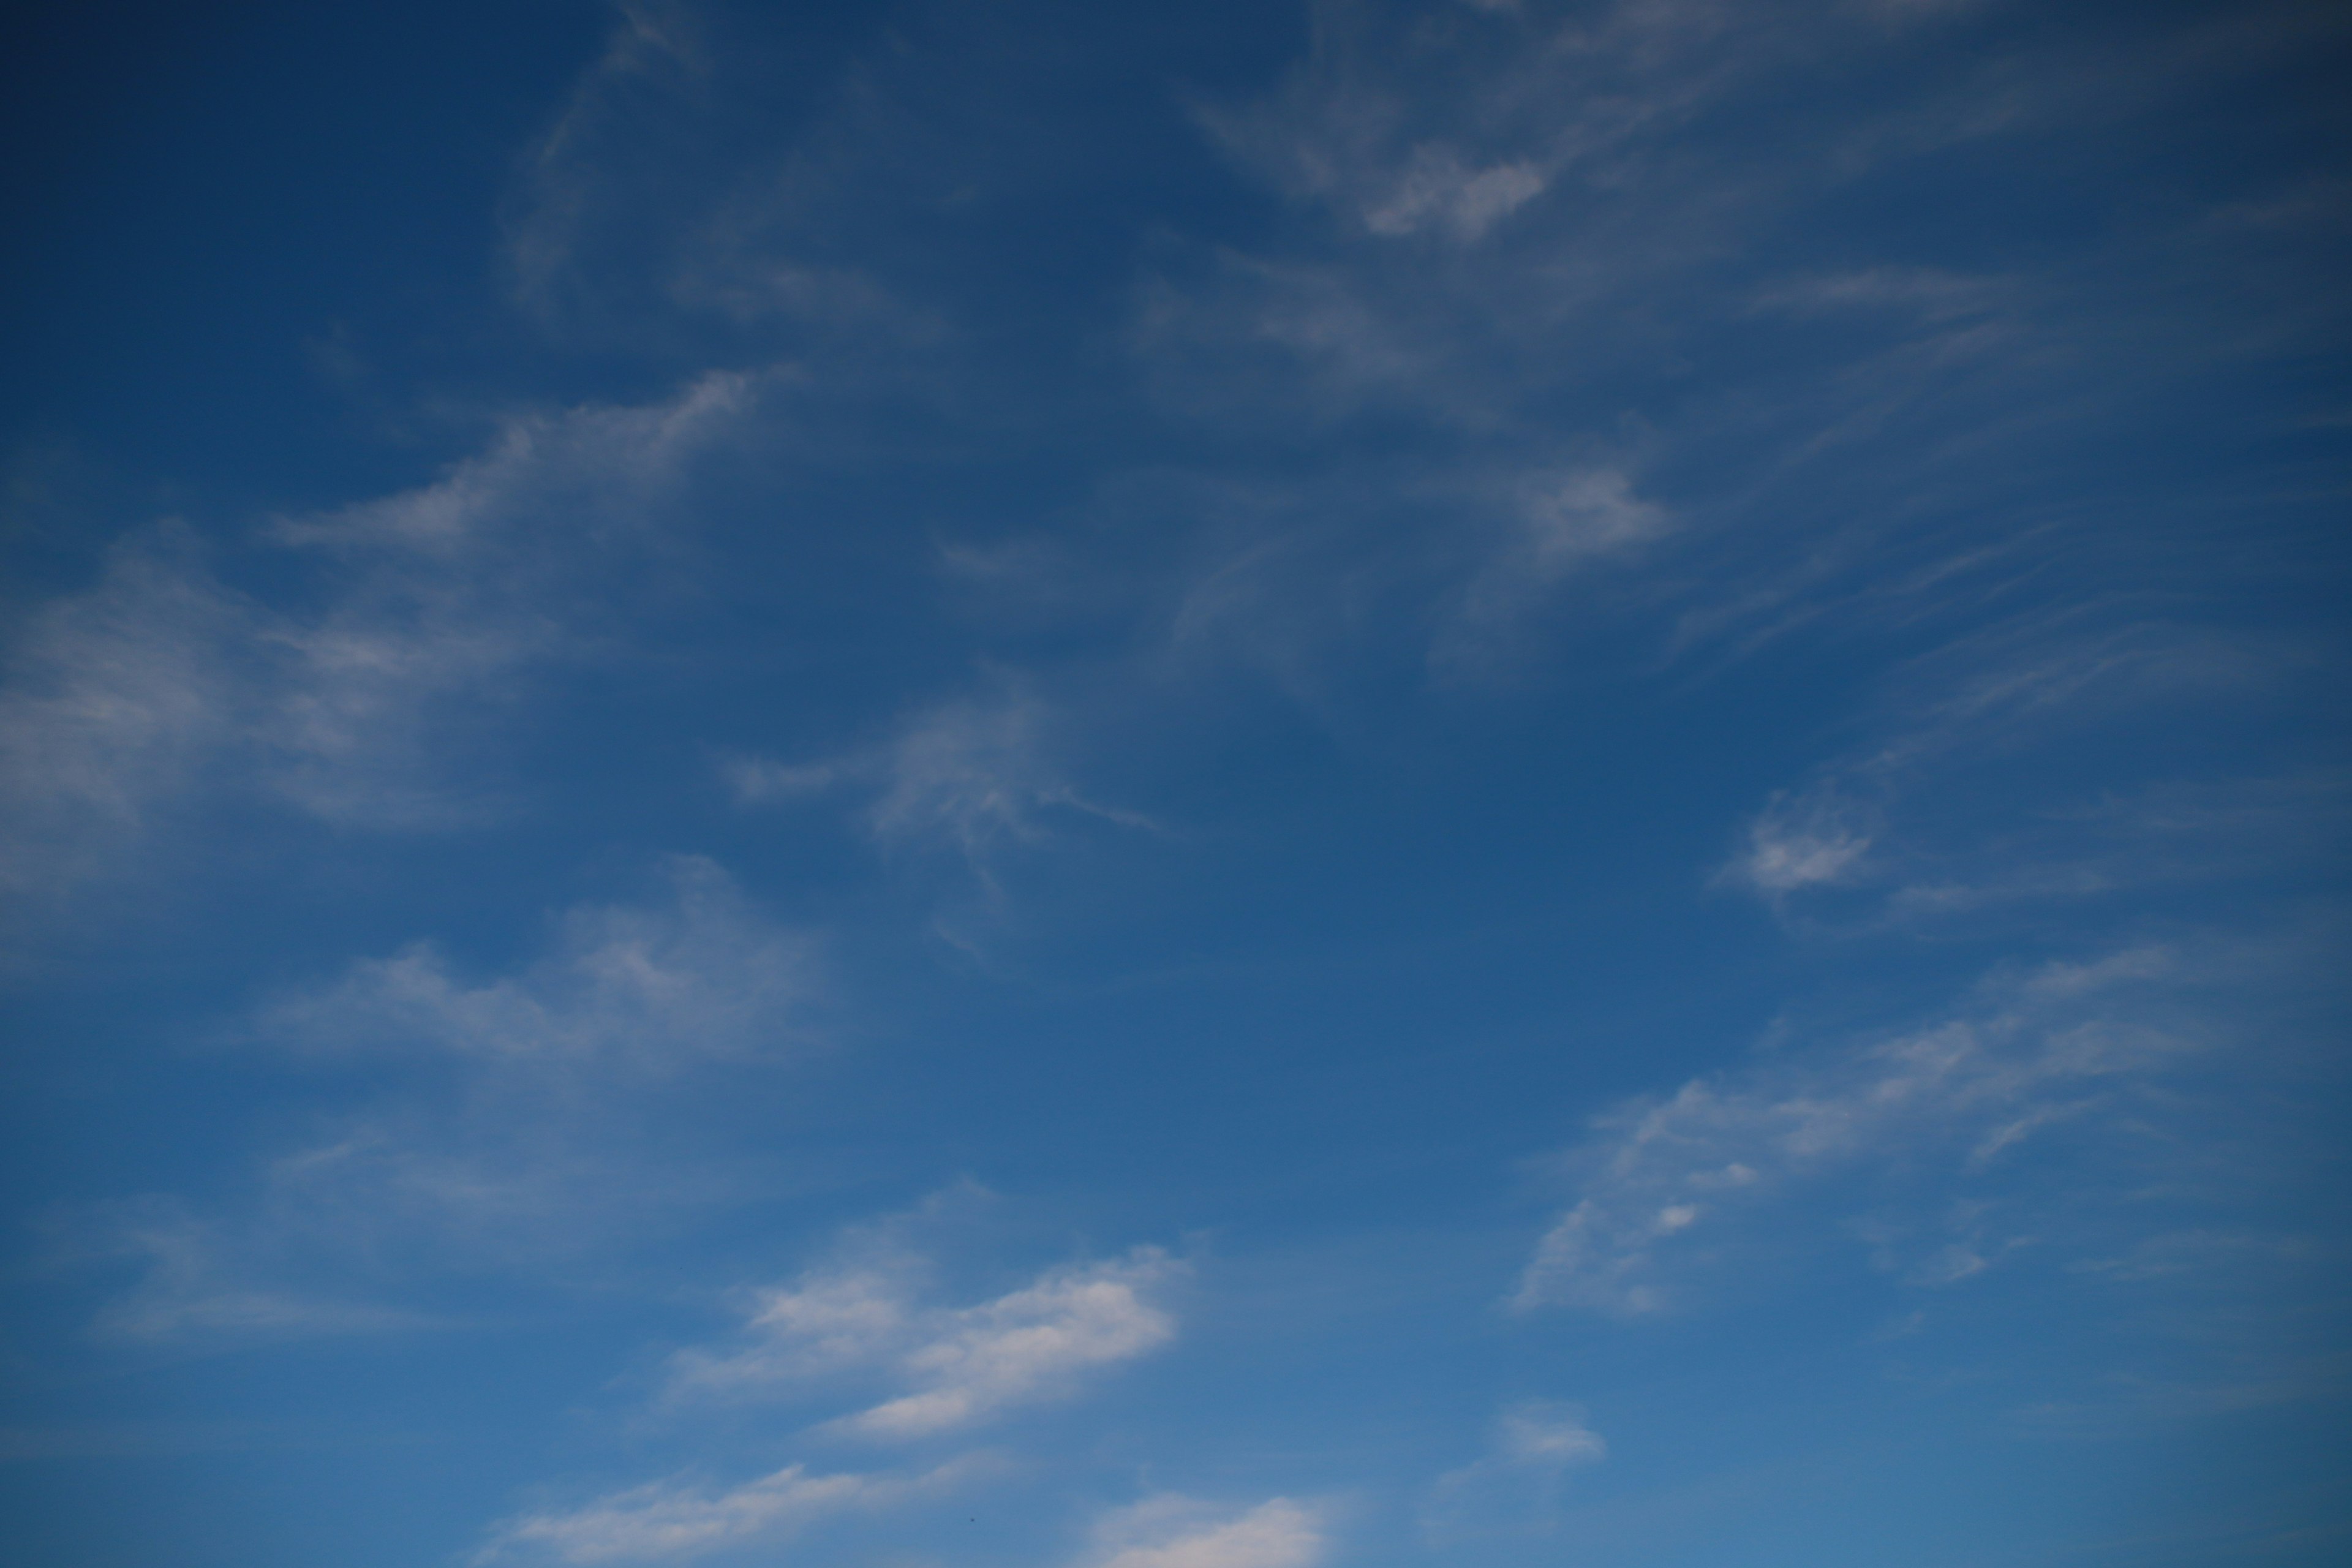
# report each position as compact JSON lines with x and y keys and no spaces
{"x":915,"y":786}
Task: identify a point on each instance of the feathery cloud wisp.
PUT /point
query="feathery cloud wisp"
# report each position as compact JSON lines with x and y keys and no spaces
{"x":164,"y":684}
{"x":672,"y":1521}
{"x":1173,"y":1531}
{"x":2029,"y":1052}
{"x":705,"y":978}
{"x":963,"y":1364}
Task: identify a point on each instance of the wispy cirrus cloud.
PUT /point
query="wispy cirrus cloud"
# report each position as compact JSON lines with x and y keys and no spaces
{"x":835,"y":1334}
{"x":199,"y":1281}
{"x":1171,"y":1530}
{"x":360,"y":700}
{"x":540,"y":1137}
{"x":2062,"y":1043}
{"x":1807,"y":841}
{"x":1908,"y":825}
{"x":972,"y":774}
{"x":703,"y":976}
{"x":1515,"y":1486}
{"x":677,"y":1519}
{"x":960,"y":1365}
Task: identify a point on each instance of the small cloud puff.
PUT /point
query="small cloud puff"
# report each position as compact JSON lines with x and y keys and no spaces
{"x":1811,"y":840}
{"x":1547,"y":1435}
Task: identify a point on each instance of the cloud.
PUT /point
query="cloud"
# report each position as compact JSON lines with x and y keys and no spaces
{"x":2057,"y":1043}
{"x":1515,"y":1486}
{"x":117,"y":699}
{"x":1173,"y":1531}
{"x":533,"y":1139}
{"x":972,"y":774}
{"x":1926,"y":819}
{"x":1554,"y":521}
{"x":356,"y":696}
{"x":1546,"y":1435}
{"x":567,"y":192}
{"x":961,"y":1365}
{"x":365,"y":1230}
{"x":1931,"y":295}
{"x":703,"y":976}
{"x":1811,"y":840}
{"x":198,"y":1282}
{"x":1437,"y":189}
{"x":672,"y":1521}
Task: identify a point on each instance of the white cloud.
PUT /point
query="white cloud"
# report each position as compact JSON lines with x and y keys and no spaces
{"x":974,"y":774}
{"x":556,"y":479}
{"x":828,"y":1322}
{"x":163,"y":683}
{"x":702,"y":976}
{"x":671,"y":1521}
{"x":198,"y":1282}
{"x":760,"y":781}
{"x":545,"y":1150}
{"x":118,"y":698}
{"x":2030,"y":1052}
{"x":1515,"y":1486}
{"x":960,"y":1365}
{"x":1173,"y":1531}
{"x":566,"y":191}
{"x":1923,"y":815}
{"x":1547,"y":1436}
{"x":1814,"y":839}
{"x":1555,"y":522}
{"x":1436,"y":189}
{"x":375,"y":1228}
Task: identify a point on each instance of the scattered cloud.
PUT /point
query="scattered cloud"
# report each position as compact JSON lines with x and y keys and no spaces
{"x":1515,"y":1488}
{"x":961,"y":1366}
{"x":197,"y":1282}
{"x":1814,"y":839}
{"x":672,"y":1521}
{"x":1554,"y":522}
{"x":2057,"y":1043}
{"x":1173,"y":1531}
{"x":973,"y":774}
{"x":699,"y":977}
{"x":530,"y":1138}
{"x":1547,"y":1436}
{"x":358,"y":701}
{"x":118,"y":699}
{"x":1436,"y":190}
{"x":566,"y":190}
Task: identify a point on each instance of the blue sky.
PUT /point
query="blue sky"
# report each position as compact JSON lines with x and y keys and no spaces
{"x":1176,"y":787}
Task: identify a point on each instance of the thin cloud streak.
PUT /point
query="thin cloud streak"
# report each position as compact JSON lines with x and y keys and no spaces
{"x":2062,"y":1042}
{"x":676,"y":1521}
{"x":1171,"y":1530}
{"x":164,"y":684}
{"x":963,"y":1365}
{"x":705,"y":978}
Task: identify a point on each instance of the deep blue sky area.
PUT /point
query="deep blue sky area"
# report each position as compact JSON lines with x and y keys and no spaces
{"x":925,"y":786}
